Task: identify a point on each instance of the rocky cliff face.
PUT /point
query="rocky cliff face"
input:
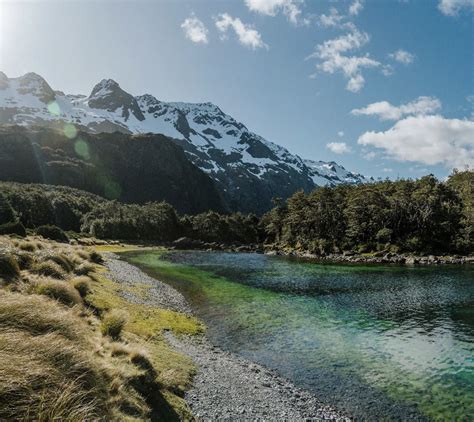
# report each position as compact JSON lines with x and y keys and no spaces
{"x":247,"y":169}
{"x":131,"y":168}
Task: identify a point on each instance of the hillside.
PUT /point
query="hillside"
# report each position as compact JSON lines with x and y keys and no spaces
{"x":131,"y":168}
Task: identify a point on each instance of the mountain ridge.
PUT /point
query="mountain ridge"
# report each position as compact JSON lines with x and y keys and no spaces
{"x":248,"y":169}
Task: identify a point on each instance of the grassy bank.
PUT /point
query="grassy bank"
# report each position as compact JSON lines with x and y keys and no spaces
{"x":73,"y":347}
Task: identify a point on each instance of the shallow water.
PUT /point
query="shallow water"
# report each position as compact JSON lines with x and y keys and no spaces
{"x":379,"y":342}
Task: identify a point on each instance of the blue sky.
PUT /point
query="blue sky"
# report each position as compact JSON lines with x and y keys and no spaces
{"x":330,"y":80}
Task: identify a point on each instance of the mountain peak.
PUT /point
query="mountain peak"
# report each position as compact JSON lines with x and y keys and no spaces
{"x":108,"y":95}
{"x":104,"y":88}
{"x":34,"y":84}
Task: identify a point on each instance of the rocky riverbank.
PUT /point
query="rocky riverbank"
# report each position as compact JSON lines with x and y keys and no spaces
{"x":375,"y":258}
{"x":351,"y":257}
{"x":226,"y":387}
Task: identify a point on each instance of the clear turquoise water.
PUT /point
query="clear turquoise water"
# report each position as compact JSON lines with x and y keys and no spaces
{"x":380,"y":343}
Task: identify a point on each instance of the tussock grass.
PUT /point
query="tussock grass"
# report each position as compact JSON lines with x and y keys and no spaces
{"x":113,"y":323}
{"x":85,"y":269}
{"x":9,"y":268}
{"x":49,"y":269}
{"x":59,"y":290}
{"x":25,"y":259}
{"x":27,"y":246}
{"x":39,"y":315}
{"x":62,"y":260}
{"x":96,"y":257}
{"x":83,"y":254}
{"x":58,"y":360}
{"x":82,"y":285}
{"x":49,"y":378}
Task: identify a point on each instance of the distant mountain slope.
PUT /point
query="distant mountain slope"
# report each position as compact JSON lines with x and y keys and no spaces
{"x":248,"y":170}
{"x":132,"y":168}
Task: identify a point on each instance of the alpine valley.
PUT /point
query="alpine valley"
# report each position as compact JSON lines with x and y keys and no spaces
{"x":248,"y":171}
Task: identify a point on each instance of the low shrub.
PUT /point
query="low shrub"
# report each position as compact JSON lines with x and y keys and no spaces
{"x":82,"y":285}
{"x":59,"y":290}
{"x":49,"y":269}
{"x":9,"y":268}
{"x":52,"y":232}
{"x":113,"y":323}
{"x":13,"y":227}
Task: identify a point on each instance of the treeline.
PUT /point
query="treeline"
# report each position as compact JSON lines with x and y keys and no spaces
{"x":36,"y":205}
{"x":423,"y":215}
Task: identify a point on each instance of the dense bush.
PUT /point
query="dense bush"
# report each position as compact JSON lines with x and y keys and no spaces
{"x":36,"y":205}
{"x":13,"y":227}
{"x":52,"y":232}
{"x":423,"y":215}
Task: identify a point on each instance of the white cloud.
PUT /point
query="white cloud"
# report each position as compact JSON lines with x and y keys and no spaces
{"x":332,"y":20}
{"x":340,"y":134}
{"x":427,"y":139}
{"x":402,"y":56}
{"x":370,"y":155}
{"x":356,"y":7}
{"x":453,"y":7}
{"x":387,"y":70}
{"x":338,"y":147}
{"x":195,"y":30}
{"x":387,"y":169}
{"x":333,"y":58}
{"x":386,"y":111}
{"x":290,"y":8}
{"x":248,"y":36}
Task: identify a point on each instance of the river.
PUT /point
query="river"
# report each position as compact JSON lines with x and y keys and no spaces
{"x":377,"y":342}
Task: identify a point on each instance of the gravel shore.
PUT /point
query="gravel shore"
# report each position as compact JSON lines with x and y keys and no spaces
{"x":226,"y":387}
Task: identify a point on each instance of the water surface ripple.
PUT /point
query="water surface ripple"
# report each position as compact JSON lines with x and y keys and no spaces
{"x":380,"y":342}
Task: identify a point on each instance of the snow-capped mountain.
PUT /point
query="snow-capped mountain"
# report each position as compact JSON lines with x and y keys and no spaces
{"x":249,"y":170}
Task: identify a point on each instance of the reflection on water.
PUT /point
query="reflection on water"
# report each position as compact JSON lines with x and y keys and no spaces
{"x":376,"y":341}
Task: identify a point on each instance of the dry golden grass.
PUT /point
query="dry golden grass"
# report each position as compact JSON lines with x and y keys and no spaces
{"x":82,"y":284}
{"x":49,"y":269}
{"x":58,"y":290}
{"x":9,"y":268}
{"x":58,"y":360}
{"x":85,"y":269}
{"x":113,"y":323}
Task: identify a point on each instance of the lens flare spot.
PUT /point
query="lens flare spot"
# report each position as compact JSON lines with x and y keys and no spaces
{"x":70,"y":131}
{"x":112,"y":190}
{"x":82,"y":149}
{"x":53,"y":108}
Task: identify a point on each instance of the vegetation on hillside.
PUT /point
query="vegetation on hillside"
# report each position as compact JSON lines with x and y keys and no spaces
{"x":423,"y":215}
{"x":73,"y":348}
{"x":129,"y":168}
{"x":419,"y":216}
